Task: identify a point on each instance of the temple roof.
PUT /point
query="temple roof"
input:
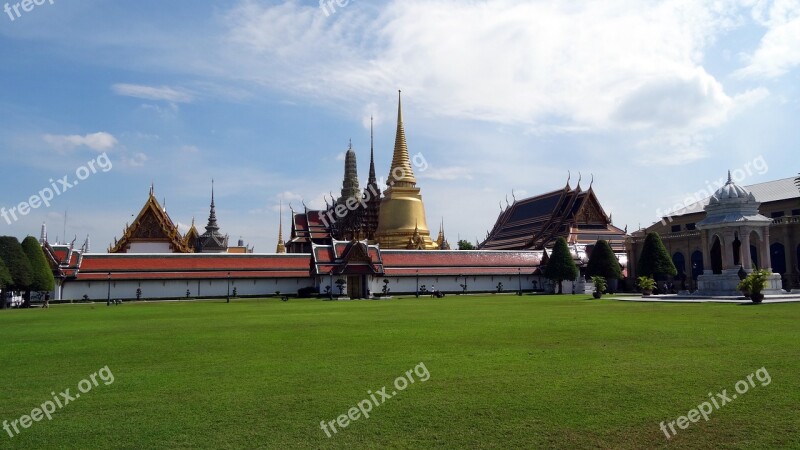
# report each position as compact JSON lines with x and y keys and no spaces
{"x":356,"y":257}
{"x":153,"y":224}
{"x":459,"y":262}
{"x":536,"y":222}
{"x":770,"y":191}
{"x":308,"y":227}
{"x":192,"y":266}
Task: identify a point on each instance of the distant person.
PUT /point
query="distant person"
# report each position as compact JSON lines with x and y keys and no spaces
{"x":46,"y":300}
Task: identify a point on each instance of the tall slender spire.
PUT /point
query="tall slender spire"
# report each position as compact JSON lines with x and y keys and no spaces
{"x":212,"y":215}
{"x":401,"y":172}
{"x":281,"y":248}
{"x":43,"y":236}
{"x":372,"y":179}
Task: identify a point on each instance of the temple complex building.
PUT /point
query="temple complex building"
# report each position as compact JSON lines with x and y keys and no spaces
{"x":153,"y":231}
{"x":534,"y":223}
{"x":365,"y":243}
{"x":736,"y":227}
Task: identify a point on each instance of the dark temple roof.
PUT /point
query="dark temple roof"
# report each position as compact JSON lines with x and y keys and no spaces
{"x":536,"y":222}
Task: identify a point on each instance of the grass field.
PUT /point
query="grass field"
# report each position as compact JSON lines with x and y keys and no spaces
{"x":504,"y":372}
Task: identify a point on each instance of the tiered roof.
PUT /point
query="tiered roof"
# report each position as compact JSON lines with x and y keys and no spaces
{"x":353,"y":258}
{"x":192,"y":266}
{"x":536,"y":222}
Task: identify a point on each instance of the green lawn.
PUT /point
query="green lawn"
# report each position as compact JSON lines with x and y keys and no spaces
{"x":505,"y":372}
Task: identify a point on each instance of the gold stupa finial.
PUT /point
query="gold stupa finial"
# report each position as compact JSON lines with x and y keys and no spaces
{"x":401,"y":172}
{"x":281,"y":248}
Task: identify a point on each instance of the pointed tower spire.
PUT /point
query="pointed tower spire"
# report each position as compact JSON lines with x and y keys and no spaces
{"x":372,"y":179}
{"x":212,"y":215}
{"x":372,"y":192}
{"x":350,"y":187}
{"x":401,"y":172}
{"x":402,"y":213}
{"x":281,"y":248}
{"x":730,"y":179}
{"x":43,"y":235}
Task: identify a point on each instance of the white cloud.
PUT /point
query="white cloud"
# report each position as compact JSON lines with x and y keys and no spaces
{"x":137,"y":159}
{"x":164,"y":93}
{"x":778,"y":51}
{"x":100,"y":141}
{"x":536,"y":63}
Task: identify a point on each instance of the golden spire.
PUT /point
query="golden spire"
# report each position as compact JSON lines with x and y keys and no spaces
{"x":281,"y":248}
{"x":401,"y":173}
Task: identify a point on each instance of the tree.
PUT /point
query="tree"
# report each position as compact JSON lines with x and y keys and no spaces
{"x":465,"y":245}
{"x":603,"y":262}
{"x":18,"y":265}
{"x":43,"y":280}
{"x":5,"y":280}
{"x":561,"y":266}
{"x":655,"y":261}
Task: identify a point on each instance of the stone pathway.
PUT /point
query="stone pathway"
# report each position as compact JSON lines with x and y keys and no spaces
{"x":785,"y":298}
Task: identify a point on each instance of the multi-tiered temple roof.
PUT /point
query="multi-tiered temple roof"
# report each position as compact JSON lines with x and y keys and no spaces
{"x":536,"y":222}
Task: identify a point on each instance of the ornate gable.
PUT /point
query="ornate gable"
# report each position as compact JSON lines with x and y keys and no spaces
{"x":151,"y":225}
{"x":591,"y":212}
{"x":191,"y":237}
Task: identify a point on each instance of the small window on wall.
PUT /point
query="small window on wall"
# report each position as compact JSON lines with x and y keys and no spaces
{"x":676,"y":228}
{"x":796,"y":212}
{"x":777,"y":214}
{"x":691,"y":226}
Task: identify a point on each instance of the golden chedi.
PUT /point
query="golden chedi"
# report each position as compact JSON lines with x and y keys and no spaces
{"x":401,"y":221}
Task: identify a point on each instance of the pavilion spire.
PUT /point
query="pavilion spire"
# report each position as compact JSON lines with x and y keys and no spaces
{"x":212,"y":215}
{"x":401,"y":163}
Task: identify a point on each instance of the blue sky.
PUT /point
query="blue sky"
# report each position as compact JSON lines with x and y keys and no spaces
{"x":655,"y":99}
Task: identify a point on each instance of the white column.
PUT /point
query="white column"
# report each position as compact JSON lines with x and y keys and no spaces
{"x":744,"y":238}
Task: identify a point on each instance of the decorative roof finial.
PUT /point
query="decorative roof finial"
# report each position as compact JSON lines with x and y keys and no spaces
{"x":730,"y":179}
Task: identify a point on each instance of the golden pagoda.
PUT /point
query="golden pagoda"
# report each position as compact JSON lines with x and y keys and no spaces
{"x":401,"y":220}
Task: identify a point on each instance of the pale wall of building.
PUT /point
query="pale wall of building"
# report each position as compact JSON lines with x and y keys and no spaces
{"x":126,"y":290}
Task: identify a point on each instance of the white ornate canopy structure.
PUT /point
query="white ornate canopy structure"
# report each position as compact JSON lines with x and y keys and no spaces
{"x":734,"y":236}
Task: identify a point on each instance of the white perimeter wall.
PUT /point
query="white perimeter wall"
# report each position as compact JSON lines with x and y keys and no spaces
{"x":98,"y":290}
{"x":408,"y":285}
